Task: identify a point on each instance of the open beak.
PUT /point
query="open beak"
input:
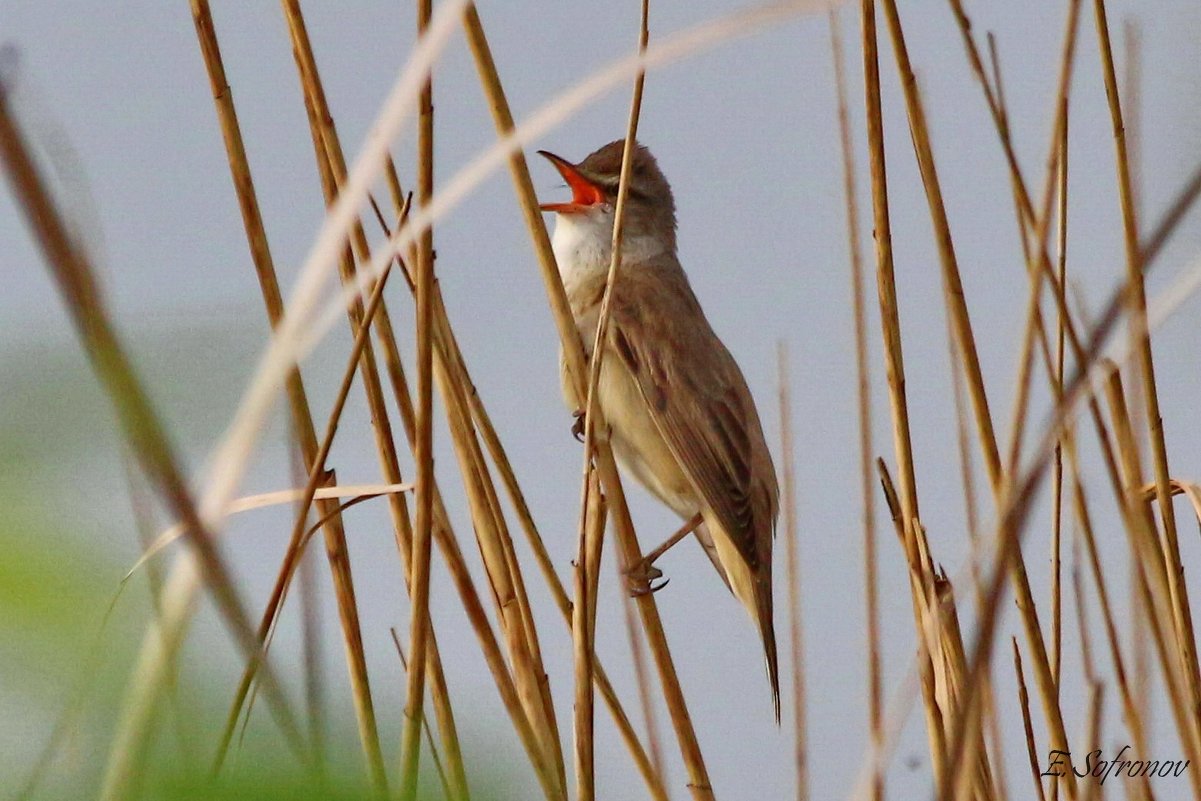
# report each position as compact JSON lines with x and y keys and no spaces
{"x":584,"y":193}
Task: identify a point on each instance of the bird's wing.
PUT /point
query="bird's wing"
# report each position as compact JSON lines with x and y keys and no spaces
{"x":699,"y":401}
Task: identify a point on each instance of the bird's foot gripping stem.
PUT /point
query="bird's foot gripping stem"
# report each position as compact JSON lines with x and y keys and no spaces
{"x":641,"y":578}
{"x":641,"y":575}
{"x":577,"y":426}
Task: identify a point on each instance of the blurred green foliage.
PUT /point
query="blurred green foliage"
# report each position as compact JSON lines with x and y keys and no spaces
{"x":66,"y":649}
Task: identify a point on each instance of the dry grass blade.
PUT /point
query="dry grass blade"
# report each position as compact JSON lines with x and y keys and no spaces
{"x":265,"y":500}
{"x":74,"y":275}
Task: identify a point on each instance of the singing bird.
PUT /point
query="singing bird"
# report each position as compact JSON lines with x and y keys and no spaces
{"x":681,"y":418}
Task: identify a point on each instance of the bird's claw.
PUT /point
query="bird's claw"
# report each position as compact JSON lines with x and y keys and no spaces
{"x":577,"y":427}
{"x":641,"y":578}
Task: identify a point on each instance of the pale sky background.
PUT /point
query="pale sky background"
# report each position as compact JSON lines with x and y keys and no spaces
{"x":747,"y":136}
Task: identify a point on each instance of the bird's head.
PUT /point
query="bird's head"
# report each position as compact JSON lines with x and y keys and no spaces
{"x":650,"y":209}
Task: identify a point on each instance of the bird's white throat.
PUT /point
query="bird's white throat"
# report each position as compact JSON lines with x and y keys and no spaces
{"x":583,"y":245}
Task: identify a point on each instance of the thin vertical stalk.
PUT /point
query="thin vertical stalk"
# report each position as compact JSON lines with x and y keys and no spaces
{"x":419,"y":588}
{"x":1061,"y":258}
{"x":583,"y":628}
{"x":793,"y":569}
{"x":863,"y":402}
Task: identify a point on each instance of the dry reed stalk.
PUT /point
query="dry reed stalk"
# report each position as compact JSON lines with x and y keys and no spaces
{"x":425,"y":725}
{"x":1141,"y":340}
{"x":513,"y":699}
{"x":906,"y":510}
{"x":1028,"y":219}
{"x":589,"y":401}
{"x":963,"y":443}
{"x":1185,"y":198}
{"x":1182,"y":202}
{"x":1016,"y":508}
{"x":955,"y":669}
{"x":925,"y":617}
{"x":576,"y":367}
{"x":1092,"y":734}
{"x":793,"y":571}
{"x":863,"y":401}
{"x":73,"y":272}
{"x":512,"y":606}
{"x":1082,"y":627}
{"x":332,"y":167}
{"x":447,"y":351}
{"x":1132,"y":711}
{"x":496,"y":451}
{"x":454,"y":384}
{"x":307,"y":321}
{"x":301,"y":416}
{"x":1061,"y":259}
{"x":319,"y":475}
{"x":1153,"y":582}
{"x":495,"y":542}
{"x":1131,"y":89}
{"x":1092,"y":730}
{"x":641,"y":679}
{"x":1028,"y":234}
{"x":1024,"y":704}
{"x":583,"y":626}
{"x":529,"y":690}
{"x":957,"y":309}
{"x":419,"y":562}
{"x":1043,"y":671}
{"x":582,"y":636}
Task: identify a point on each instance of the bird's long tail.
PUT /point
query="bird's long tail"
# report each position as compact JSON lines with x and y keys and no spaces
{"x":752,"y":590}
{"x":767,"y":631}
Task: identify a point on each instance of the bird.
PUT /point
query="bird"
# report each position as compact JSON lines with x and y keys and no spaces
{"x":681,"y":418}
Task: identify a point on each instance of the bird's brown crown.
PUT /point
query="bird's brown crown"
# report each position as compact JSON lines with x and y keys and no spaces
{"x":650,"y":194}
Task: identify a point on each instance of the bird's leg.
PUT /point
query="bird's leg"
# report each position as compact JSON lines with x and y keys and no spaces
{"x":577,"y":427}
{"x":640,"y":575}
